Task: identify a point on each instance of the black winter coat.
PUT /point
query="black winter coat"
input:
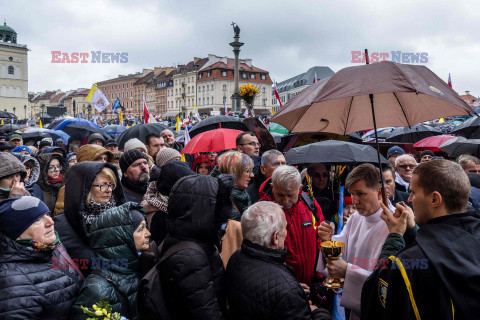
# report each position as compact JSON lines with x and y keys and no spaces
{"x":70,"y":224}
{"x":192,"y":281}
{"x":260,"y":285}
{"x":30,"y":287}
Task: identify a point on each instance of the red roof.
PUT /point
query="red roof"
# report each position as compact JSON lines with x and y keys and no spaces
{"x":57,"y":97}
{"x":468,"y":97}
{"x":231,"y":66}
{"x":144,"y":79}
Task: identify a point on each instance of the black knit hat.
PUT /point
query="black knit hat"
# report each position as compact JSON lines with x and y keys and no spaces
{"x":137,"y":218}
{"x":170,"y":173}
{"x":129,"y":157}
{"x":427,"y":153}
{"x":44,"y":143}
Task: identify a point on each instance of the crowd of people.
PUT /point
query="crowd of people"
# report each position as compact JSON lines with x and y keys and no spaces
{"x":232,"y":235}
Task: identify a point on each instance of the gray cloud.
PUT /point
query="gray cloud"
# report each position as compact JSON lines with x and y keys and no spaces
{"x":283,"y":37}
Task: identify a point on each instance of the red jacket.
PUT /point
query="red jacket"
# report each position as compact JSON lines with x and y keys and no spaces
{"x":302,"y":242}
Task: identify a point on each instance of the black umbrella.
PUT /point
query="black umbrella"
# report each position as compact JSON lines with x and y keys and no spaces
{"x":139,"y":131}
{"x":4,"y":114}
{"x":9,"y":128}
{"x":333,"y":152}
{"x":39,"y":135}
{"x":413,"y":134}
{"x":225,"y":122}
{"x":469,"y":129}
{"x":460,"y":145}
{"x":84,"y":130}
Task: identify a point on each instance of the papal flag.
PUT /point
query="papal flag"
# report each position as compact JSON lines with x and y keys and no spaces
{"x":98,"y":99}
{"x":197,"y":115}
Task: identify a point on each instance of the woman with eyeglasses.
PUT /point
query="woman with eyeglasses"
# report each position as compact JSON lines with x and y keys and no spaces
{"x":240,"y":165}
{"x":91,"y":188}
{"x":51,"y":179}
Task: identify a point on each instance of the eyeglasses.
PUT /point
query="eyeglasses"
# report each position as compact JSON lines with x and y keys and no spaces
{"x":253,"y":144}
{"x":53,"y":168}
{"x":405,"y":166}
{"x":104,"y":187}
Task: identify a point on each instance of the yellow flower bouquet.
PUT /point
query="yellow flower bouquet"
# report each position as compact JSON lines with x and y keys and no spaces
{"x":102,"y":310}
{"x":248,"y":93}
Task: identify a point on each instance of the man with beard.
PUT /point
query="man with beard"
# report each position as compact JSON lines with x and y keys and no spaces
{"x":135,"y":174}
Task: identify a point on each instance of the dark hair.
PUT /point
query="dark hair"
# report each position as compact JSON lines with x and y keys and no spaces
{"x":386,"y":168}
{"x":447,"y":178}
{"x":152,"y":135}
{"x":239,"y":139}
{"x":366,"y":172}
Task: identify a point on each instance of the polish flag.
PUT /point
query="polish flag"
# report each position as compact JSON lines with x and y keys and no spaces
{"x":147,"y":117}
{"x":449,"y":81}
{"x":315,"y":78}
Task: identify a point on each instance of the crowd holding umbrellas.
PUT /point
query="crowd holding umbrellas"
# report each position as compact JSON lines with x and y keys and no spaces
{"x":358,"y":119}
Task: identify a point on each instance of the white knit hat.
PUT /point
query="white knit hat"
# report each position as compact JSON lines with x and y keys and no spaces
{"x":134,"y":144}
{"x":165,"y":155}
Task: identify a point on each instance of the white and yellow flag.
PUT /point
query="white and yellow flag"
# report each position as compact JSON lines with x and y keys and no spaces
{"x":98,"y":99}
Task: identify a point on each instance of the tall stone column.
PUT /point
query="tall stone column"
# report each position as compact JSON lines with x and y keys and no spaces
{"x":236,"y":45}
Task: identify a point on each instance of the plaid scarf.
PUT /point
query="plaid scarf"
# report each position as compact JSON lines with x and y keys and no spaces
{"x":94,"y":209}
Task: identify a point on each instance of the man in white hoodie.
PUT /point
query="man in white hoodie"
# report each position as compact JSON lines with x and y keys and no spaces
{"x":363,"y":235}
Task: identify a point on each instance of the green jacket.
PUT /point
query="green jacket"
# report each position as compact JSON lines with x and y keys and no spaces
{"x":112,"y":241}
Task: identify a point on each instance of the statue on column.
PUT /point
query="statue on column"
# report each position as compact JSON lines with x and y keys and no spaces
{"x":236,"y":29}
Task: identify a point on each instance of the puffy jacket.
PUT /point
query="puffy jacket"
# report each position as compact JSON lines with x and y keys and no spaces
{"x":31,"y":287}
{"x":260,"y":286}
{"x":302,"y":242}
{"x":31,"y":185}
{"x":70,"y":224}
{"x":192,"y":281}
{"x":50,"y":190}
{"x":113,"y":244}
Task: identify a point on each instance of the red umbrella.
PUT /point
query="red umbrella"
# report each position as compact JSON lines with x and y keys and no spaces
{"x":432,"y":143}
{"x":212,"y":141}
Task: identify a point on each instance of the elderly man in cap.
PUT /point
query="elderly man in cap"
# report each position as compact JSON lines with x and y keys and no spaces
{"x":15,"y":140}
{"x":426,"y":156}
{"x":393,"y":153}
{"x":135,"y":174}
{"x":12,"y":175}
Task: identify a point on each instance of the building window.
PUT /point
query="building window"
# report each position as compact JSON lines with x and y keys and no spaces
{"x":203,"y":101}
{"x":212,"y":86}
{"x":10,"y":70}
{"x":188,"y":89}
{"x":208,"y":100}
{"x":263,"y":77}
{"x":224,"y":73}
{"x":176,"y":91}
{"x":252,"y":75}
{"x":263,"y":89}
{"x":224,"y":87}
{"x":200,"y":75}
{"x":188,"y":102}
{"x":264,"y":102}
{"x":203,"y":88}
{"x":244,"y":76}
{"x":208,"y":74}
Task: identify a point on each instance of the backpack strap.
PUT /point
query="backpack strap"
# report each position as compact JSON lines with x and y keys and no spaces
{"x":121,"y":295}
{"x":310,"y":204}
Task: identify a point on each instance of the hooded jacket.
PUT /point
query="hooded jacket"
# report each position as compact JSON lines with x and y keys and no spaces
{"x":115,"y":254}
{"x":88,"y":152}
{"x":32,"y":286}
{"x":70,"y":224}
{"x":192,"y":281}
{"x":50,"y":190}
{"x":302,"y":242}
{"x":10,"y":165}
{"x":31,"y":185}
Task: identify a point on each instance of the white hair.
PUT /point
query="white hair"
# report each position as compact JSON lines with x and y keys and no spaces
{"x":261,"y":220}
{"x":403,"y":157}
{"x":286,"y":176}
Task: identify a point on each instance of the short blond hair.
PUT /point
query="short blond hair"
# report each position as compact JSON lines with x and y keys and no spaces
{"x":107,"y":173}
{"x":234,"y":162}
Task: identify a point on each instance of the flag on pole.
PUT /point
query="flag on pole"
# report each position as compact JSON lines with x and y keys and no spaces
{"x":147,"y":117}
{"x":315,"y":77}
{"x":117,"y":106}
{"x":96,"y":96}
{"x":187,"y":136}
{"x":39,"y":125}
{"x":277,"y":96}
{"x":178,"y":124}
{"x":449,"y":81}
{"x":197,"y":115}
{"x":120,"y":116}
{"x":245,"y":114}
{"x":225,"y":106}
{"x":2,"y":122}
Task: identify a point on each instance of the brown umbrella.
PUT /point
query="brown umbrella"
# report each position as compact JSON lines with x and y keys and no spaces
{"x":362,"y":97}
{"x":403,"y":95}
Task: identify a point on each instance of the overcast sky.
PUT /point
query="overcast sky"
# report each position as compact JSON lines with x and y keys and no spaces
{"x":284,"y":37}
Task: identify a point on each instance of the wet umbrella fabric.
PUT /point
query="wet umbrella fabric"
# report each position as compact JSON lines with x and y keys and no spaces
{"x":333,"y":152}
{"x":460,"y":145}
{"x":413,"y":134}
{"x":139,"y":131}
{"x":114,"y":130}
{"x":432,"y":143}
{"x":469,"y":129}
{"x":216,"y":122}
{"x":83,"y":130}
{"x":9,"y":128}
{"x":212,"y":141}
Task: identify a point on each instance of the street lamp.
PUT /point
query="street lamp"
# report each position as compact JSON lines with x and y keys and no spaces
{"x":25,"y":107}
{"x":89,"y":111}
{"x":14,"y":110}
{"x":43,"y":108}
{"x":74,"y":109}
